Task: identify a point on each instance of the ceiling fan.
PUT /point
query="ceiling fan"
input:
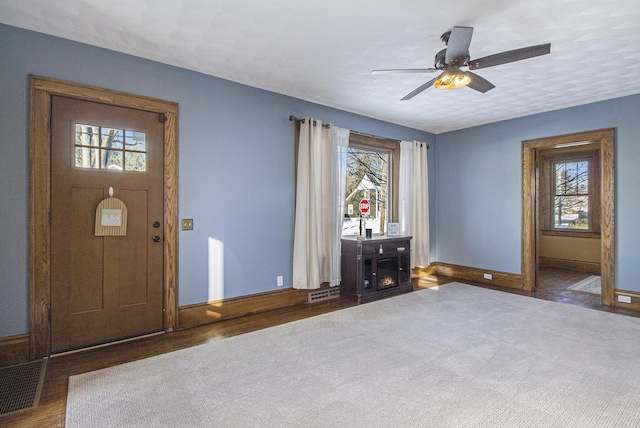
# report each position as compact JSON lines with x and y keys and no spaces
{"x":455,"y":56}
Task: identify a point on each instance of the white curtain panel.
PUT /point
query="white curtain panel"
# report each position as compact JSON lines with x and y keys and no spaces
{"x":414,"y":200}
{"x":316,"y":217}
{"x":340,"y":144}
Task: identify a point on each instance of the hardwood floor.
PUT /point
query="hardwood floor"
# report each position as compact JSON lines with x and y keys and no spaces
{"x":552,"y":285}
{"x":51,"y":410}
{"x":52,"y":407}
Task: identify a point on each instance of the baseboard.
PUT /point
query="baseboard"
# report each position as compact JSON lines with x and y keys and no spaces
{"x":582,"y":266}
{"x":219,"y":310}
{"x":634,"y":296}
{"x":14,"y":350}
{"x":423,"y":271}
{"x":503,"y":279}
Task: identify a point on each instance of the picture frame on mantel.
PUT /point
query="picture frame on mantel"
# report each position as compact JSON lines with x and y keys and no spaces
{"x":393,"y":229}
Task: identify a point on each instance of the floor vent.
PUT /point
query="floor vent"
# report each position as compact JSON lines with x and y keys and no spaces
{"x":327,"y":294}
{"x":21,"y":386}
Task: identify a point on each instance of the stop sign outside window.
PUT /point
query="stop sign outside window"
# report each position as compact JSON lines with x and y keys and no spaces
{"x":364,"y":207}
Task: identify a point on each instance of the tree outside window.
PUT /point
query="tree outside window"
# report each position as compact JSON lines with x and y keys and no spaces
{"x":571,"y":195}
{"x":367,"y":178}
{"x":111,"y":149}
{"x":373,"y":166}
{"x":570,"y":191}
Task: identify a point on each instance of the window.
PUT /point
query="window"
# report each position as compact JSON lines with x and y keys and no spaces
{"x":571,"y":195}
{"x":372,"y":166}
{"x":98,"y":147}
{"x":569,"y":191}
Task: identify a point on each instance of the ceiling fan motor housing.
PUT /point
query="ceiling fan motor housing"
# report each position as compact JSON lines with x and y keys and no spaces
{"x":445,"y":38}
{"x":440,"y":62}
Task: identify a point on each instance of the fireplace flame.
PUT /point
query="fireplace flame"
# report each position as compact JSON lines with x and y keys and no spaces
{"x":387,"y":281}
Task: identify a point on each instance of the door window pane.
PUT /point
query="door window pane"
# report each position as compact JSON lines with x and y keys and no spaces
{"x":135,"y":161}
{"x":87,"y":157}
{"x":136,"y":141}
{"x":110,"y":149}
{"x":87,"y":135}
{"x":111,"y":159}
{"x":112,"y":138}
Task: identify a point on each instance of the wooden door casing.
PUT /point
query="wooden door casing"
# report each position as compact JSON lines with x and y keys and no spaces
{"x":41,"y":91}
{"x":606,"y":140}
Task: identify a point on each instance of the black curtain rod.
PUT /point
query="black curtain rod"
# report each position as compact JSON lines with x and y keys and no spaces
{"x":381,"y":138}
{"x":292,"y":118}
{"x":326,"y":125}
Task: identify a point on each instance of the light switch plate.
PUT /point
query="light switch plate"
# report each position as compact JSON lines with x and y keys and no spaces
{"x":187,"y":224}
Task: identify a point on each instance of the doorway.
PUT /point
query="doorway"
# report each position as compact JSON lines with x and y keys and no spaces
{"x":45,"y":235}
{"x":106,"y":280}
{"x":604,"y":141}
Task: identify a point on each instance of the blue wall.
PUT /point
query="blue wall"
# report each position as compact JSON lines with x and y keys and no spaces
{"x":235,"y":145}
{"x":478,"y":205}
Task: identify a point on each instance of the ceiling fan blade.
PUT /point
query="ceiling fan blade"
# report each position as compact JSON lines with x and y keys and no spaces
{"x":479,"y":83}
{"x":404,"y":70}
{"x":419,"y":89}
{"x":458,"y":45}
{"x":510,"y":56}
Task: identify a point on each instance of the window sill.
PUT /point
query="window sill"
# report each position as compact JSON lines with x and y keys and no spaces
{"x":572,"y":233}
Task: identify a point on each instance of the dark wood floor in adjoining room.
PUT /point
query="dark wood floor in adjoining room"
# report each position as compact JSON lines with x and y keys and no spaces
{"x":552,"y":285}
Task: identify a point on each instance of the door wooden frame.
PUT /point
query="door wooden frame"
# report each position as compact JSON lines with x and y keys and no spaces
{"x":41,"y":91}
{"x":606,"y":139}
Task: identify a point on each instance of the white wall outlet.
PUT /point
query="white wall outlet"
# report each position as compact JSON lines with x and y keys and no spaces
{"x":624,"y":299}
{"x":280,"y":281}
{"x":488,"y":276}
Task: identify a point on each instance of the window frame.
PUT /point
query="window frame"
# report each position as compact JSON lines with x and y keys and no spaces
{"x":548,"y":158}
{"x":101,"y":149}
{"x":392,"y":149}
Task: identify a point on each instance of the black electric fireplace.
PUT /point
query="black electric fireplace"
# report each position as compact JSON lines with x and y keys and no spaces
{"x":375,"y":268}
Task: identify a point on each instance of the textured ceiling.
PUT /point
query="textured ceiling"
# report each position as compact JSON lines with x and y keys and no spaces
{"x":324,"y":52}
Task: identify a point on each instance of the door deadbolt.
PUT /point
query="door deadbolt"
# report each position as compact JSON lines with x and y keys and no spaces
{"x":156,"y":224}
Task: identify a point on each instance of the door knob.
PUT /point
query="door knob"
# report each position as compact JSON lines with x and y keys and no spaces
{"x":156,"y":239}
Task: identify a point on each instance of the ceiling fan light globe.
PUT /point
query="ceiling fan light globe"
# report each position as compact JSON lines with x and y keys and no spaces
{"x":452,"y":79}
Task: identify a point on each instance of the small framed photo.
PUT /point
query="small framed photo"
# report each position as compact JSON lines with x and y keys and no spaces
{"x":393,"y":229}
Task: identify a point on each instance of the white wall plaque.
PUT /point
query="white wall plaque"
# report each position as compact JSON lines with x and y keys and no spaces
{"x":111,"y":217}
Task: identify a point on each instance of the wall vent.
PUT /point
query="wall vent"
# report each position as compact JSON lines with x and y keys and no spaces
{"x":21,"y":386}
{"x":320,"y":295}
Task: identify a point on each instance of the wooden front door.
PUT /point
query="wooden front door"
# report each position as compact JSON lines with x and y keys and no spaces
{"x":105,"y":288}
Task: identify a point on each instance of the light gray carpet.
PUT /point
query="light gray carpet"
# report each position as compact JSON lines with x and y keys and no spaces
{"x":591,"y":284}
{"x":457,"y":356}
